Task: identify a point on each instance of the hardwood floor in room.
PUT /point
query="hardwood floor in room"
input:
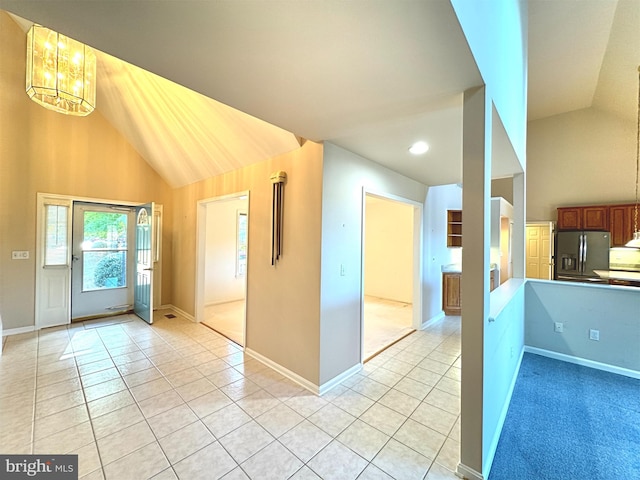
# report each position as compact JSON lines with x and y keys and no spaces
{"x":385,"y":321}
{"x":228,"y":319}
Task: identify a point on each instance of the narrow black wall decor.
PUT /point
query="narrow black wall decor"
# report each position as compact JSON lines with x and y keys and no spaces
{"x":278,"y":180}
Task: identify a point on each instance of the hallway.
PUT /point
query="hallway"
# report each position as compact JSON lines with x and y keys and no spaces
{"x":176,"y":400}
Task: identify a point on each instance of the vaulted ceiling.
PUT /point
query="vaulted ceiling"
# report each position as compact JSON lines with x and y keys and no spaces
{"x":368,"y":76}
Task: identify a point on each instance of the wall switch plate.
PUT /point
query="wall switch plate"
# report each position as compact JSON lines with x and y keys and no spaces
{"x":20,"y":255}
{"x":594,"y":334}
{"x":558,"y":327}
{"x":342,"y":274}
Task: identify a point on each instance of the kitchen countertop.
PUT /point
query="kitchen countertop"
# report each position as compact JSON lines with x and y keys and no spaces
{"x":618,"y":275}
{"x":457,"y":268}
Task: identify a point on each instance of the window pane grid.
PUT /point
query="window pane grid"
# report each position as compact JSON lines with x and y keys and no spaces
{"x":104,"y":250}
{"x":56,"y":250}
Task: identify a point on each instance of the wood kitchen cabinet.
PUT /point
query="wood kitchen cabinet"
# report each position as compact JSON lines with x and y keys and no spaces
{"x":451,"y":294}
{"x":452,"y":291}
{"x":454,"y":228}
{"x":584,"y":218}
{"x":595,"y":218}
{"x":621,"y":224}
{"x":616,"y":219}
{"x":570,"y":218}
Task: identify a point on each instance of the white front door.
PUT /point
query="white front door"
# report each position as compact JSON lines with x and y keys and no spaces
{"x":102,"y":278}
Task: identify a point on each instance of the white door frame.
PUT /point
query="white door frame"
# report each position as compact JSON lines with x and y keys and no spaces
{"x":41,"y":199}
{"x":417,"y":258}
{"x":201,"y":241}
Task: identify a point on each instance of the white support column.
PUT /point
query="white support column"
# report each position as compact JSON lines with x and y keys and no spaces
{"x":476,"y":238}
{"x":518,"y":249}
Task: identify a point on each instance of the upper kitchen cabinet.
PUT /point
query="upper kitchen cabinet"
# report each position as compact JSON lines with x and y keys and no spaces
{"x":616,"y":219}
{"x":595,"y":218}
{"x":621,"y":224}
{"x":584,"y":218}
{"x":454,"y":228}
{"x":570,"y":218}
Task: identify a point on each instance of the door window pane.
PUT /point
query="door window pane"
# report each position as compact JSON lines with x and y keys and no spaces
{"x":103,"y":269}
{"x":56,"y":236}
{"x":104,"y":250}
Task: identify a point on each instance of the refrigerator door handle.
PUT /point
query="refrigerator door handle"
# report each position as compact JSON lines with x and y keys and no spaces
{"x":581,"y":255}
{"x":584,"y":252}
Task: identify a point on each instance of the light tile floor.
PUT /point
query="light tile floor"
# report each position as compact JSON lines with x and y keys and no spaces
{"x":176,"y":400}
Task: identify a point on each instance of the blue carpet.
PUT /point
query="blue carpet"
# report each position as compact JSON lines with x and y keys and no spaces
{"x":568,"y":422}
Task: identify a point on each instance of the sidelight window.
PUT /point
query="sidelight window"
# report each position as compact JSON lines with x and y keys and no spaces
{"x":56,"y":250}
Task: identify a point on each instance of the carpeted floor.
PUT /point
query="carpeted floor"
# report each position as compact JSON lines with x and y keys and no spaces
{"x":568,"y":422}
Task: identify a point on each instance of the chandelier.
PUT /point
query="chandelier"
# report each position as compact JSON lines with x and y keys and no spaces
{"x":635,"y":241}
{"x":61,"y":72}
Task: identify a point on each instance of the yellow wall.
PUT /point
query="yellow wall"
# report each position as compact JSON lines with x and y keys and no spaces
{"x":283,"y":302}
{"x":44,"y":151}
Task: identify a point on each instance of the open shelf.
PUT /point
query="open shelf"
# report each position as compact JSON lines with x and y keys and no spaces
{"x":454,"y":228}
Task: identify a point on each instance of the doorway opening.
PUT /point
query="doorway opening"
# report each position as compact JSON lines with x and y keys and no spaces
{"x":102,"y":260}
{"x":221,"y":283}
{"x":391,"y":295}
{"x":93,"y":246}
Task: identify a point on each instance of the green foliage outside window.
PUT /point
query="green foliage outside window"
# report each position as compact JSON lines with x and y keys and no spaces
{"x":110,"y":271}
{"x":105,"y":230}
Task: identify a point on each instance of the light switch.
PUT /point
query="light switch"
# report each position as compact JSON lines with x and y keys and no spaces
{"x":20,"y":255}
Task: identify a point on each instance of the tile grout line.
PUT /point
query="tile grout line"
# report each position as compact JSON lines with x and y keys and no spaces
{"x":174,"y":348}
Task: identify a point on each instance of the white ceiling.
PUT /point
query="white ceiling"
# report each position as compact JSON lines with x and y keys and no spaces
{"x":371,"y":77}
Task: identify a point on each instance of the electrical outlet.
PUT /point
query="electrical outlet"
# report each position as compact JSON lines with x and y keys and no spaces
{"x":20,"y":255}
{"x":558,"y":327}
{"x":594,"y":334}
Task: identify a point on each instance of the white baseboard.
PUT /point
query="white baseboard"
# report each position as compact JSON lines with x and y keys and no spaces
{"x":584,"y":362}
{"x":17,"y":331}
{"x":326,"y":386}
{"x":180,"y":312}
{"x":223,"y":302}
{"x":468,"y":473}
{"x":433,"y":320}
{"x":303,"y":382}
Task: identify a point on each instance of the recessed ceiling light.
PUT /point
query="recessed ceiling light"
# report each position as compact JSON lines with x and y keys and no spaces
{"x":419,"y":148}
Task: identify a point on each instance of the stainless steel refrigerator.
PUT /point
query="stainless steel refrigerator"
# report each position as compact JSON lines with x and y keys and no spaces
{"x":579,"y":253}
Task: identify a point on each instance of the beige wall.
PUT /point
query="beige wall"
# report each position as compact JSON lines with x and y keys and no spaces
{"x":345,"y":176}
{"x":44,"y":151}
{"x":579,"y":158}
{"x":388,"y":253}
{"x":283,"y":302}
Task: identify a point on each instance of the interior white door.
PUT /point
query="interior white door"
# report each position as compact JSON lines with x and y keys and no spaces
{"x":144,"y":255}
{"x":53,"y":262}
{"x":102,"y":270}
{"x":539,"y":252}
